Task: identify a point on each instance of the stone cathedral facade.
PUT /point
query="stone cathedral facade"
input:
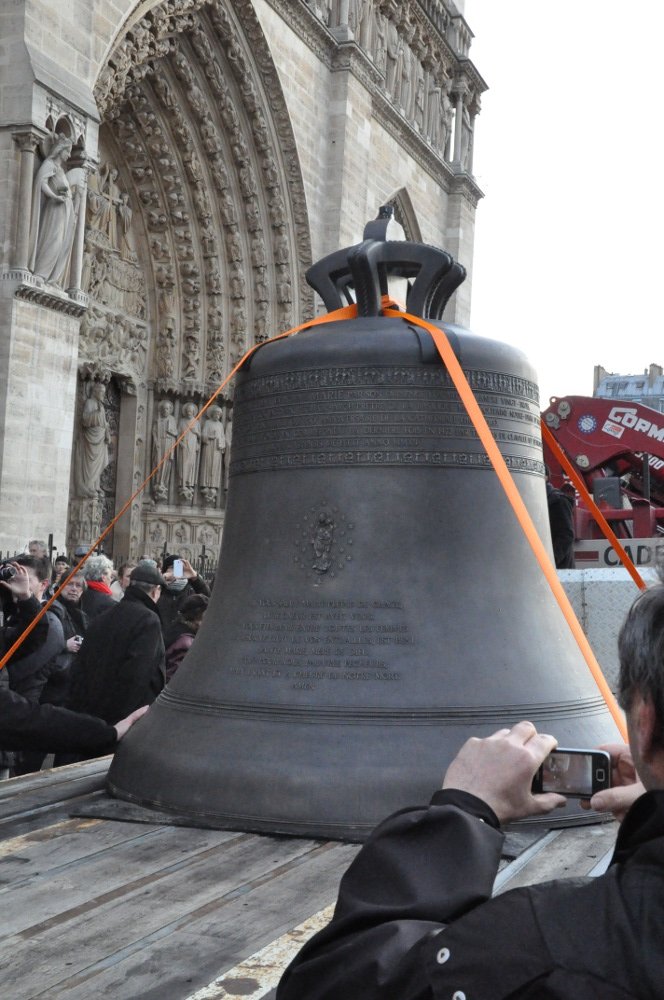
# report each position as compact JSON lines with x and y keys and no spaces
{"x":170,"y":169}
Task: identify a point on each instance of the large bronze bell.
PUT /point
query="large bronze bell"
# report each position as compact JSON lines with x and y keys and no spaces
{"x":376,"y":602}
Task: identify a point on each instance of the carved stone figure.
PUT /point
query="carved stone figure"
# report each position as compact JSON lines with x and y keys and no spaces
{"x":466,"y":140}
{"x":213,"y":446}
{"x":53,"y":220}
{"x":92,"y":445}
{"x":379,"y":47}
{"x":191,"y":356}
{"x":125,"y":214}
{"x":394,"y":51}
{"x":187,"y":453}
{"x":164,"y":433}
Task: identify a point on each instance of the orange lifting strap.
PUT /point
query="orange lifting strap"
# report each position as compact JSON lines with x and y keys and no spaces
{"x":450,"y":361}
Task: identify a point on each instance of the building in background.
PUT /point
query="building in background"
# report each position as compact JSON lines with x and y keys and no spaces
{"x":647,"y":388}
{"x":170,"y":169}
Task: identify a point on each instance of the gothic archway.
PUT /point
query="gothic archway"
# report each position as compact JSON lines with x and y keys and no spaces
{"x":197,"y":235}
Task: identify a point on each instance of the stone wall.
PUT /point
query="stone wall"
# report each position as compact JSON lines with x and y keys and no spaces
{"x":37,"y":397}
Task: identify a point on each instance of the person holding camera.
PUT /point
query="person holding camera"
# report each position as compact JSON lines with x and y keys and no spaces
{"x":181,"y":581}
{"x":29,"y":726}
{"x":415,"y":919}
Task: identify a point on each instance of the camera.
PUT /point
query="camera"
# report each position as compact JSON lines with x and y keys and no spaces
{"x":575,"y":773}
{"x":7,"y":571}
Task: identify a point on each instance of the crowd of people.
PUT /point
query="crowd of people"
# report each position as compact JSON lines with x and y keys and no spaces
{"x":102,"y":651}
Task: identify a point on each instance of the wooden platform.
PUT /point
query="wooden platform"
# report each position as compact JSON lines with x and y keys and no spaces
{"x":106,"y":908}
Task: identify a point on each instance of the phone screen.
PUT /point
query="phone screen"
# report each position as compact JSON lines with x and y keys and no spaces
{"x":575,"y":772}
{"x":178,"y":568}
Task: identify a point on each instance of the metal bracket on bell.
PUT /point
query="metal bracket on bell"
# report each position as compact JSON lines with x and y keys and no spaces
{"x":366,"y":267}
{"x":436,"y":276}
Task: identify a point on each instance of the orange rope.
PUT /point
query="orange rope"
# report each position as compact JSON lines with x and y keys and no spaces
{"x":592,"y":506}
{"x":525,"y":521}
{"x":347,"y":312}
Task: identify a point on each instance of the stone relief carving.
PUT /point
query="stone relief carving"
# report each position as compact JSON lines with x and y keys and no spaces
{"x":54,"y":212}
{"x":164,"y":434}
{"x":116,"y":340}
{"x":213,"y":447}
{"x":111,"y":273}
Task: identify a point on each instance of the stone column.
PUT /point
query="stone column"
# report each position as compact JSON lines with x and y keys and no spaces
{"x":76,"y":267}
{"x":458,"y":126}
{"x":27,"y":143}
{"x":341,"y":29}
{"x":471,"y":145}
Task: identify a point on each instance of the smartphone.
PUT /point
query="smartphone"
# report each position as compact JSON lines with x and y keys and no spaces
{"x":575,"y":773}
{"x":178,"y":568}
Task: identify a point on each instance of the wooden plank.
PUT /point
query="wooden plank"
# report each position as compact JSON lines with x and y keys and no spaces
{"x":153,"y":898}
{"x":17,"y":794}
{"x":567,"y":853}
{"x":26,"y":803}
{"x":41,"y":853}
{"x":187,"y":954}
{"x":82,"y":883}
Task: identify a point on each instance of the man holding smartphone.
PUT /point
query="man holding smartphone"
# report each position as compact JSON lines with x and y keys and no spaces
{"x":415,"y":919}
{"x":181,"y":581}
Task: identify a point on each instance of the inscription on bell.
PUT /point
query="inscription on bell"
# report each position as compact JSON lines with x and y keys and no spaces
{"x":381,"y":416}
{"x":305,"y":642}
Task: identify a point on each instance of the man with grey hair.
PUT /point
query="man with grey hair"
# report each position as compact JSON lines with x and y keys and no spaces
{"x":98,"y":596}
{"x":38,"y":549}
{"x":121,"y":662}
{"x":415,"y":919}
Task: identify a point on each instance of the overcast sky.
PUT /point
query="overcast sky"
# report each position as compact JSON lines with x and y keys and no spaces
{"x":569,"y":153}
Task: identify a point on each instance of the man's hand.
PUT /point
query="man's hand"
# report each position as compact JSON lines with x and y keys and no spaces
{"x":19,"y":585}
{"x":188,"y":570}
{"x":500,"y":770}
{"x":625,"y":785}
{"x":124,"y":725}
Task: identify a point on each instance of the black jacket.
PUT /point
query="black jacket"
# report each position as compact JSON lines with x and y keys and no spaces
{"x":95,"y":602}
{"x":415,"y":921}
{"x":561,"y":521}
{"x":28,"y":726}
{"x":121,"y":663}
{"x":32,"y":663}
{"x":169,"y":602}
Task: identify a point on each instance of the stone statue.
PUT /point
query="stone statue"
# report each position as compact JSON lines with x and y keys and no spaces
{"x":213,"y":446}
{"x":394,"y":54}
{"x":92,"y":446}
{"x":466,"y":140}
{"x":53,"y":219}
{"x":164,"y":433}
{"x":125,"y":214}
{"x":187,"y":453}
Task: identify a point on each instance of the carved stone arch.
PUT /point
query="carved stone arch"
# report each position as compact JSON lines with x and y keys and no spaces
{"x":198,"y":161}
{"x":194,"y":107}
{"x":404,"y":213}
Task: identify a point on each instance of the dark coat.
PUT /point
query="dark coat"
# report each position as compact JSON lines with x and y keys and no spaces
{"x":415,"y":921}
{"x":95,"y":602}
{"x":121,"y":663}
{"x":74,"y":622}
{"x":28,"y":726}
{"x":169,"y":602}
{"x":178,"y":641}
{"x":32,"y":664}
{"x":561,"y":521}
